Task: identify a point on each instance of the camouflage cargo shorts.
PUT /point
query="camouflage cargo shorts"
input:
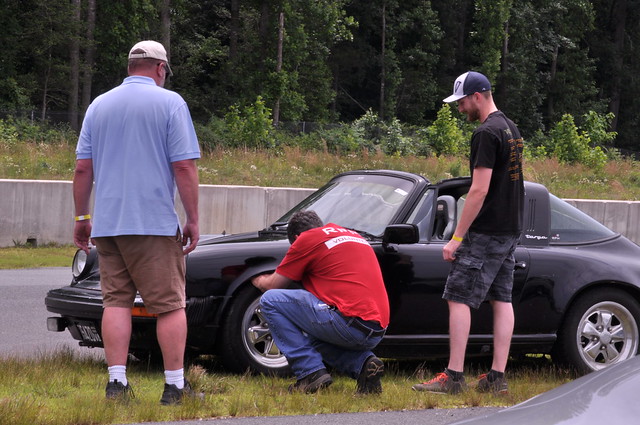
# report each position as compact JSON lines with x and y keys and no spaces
{"x":483,"y":269}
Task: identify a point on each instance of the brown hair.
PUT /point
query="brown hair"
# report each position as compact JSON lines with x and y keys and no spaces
{"x":302,"y":221}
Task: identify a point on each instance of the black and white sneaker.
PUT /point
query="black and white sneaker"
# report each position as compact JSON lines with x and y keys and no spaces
{"x":174,"y":395}
{"x":116,"y":390}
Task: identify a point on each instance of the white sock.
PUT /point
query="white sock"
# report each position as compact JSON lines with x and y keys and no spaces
{"x":175,"y":377}
{"x":118,"y":373}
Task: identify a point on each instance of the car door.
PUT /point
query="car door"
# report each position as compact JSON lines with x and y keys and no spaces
{"x":415,"y":274}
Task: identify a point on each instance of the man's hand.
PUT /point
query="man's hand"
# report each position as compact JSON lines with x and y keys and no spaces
{"x":81,"y":234}
{"x":190,"y":237}
{"x":268,"y":281}
{"x":472,"y":205}
{"x":449,"y":250}
{"x":260,"y":281}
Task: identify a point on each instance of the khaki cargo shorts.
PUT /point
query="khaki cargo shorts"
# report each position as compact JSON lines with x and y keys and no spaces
{"x":151,"y":265}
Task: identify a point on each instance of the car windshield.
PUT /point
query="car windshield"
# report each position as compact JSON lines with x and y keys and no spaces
{"x":570,"y":225}
{"x":366,"y":203}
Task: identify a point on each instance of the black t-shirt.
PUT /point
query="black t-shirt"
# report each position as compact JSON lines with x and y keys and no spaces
{"x":497,"y":144}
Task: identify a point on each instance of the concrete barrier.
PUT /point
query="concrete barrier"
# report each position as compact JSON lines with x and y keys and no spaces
{"x":41,"y":211}
{"x":620,"y":216}
{"x":35,"y":210}
{"x":234,"y":209}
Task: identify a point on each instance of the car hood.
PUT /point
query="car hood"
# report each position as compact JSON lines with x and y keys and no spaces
{"x":216,"y":266}
{"x":606,"y":396}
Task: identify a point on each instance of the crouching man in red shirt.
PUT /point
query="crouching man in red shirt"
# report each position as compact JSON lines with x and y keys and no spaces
{"x":339,"y":316}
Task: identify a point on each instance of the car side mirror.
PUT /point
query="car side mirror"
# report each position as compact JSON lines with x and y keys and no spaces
{"x":400,"y":234}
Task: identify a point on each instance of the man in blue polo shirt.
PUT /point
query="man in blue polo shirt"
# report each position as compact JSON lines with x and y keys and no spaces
{"x":137,"y":144}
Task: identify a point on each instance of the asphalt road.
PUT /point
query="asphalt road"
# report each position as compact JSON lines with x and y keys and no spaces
{"x":405,"y":417}
{"x":24,"y":334}
{"x":23,"y":316}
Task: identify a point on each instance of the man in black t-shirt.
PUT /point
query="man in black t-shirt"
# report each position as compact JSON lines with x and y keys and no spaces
{"x":483,"y":244}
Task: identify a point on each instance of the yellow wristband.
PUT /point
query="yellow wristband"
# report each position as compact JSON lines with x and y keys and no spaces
{"x":456,"y":238}
{"x":83,"y":217}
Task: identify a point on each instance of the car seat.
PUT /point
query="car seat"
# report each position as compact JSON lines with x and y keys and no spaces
{"x":445,"y":223}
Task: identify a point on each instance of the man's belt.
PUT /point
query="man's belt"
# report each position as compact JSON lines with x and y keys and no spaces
{"x":369,"y":327}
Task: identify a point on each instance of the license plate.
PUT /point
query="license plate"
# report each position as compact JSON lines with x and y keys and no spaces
{"x":88,"y":332}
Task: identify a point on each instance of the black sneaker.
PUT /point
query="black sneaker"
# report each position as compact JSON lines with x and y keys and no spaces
{"x":497,"y":386}
{"x":174,"y":395}
{"x":118,"y":391}
{"x":312,"y":383}
{"x":442,"y":384}
{"x":369,"y":378}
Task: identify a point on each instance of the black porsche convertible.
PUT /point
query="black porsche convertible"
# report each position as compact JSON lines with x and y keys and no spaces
{"x":576,"y":293}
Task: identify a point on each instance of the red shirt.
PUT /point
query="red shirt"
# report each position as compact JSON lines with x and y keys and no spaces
{"x":339,"y":267}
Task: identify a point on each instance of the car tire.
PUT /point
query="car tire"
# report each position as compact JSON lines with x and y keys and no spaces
{"x":600,"y":329}
{"x":247,"y":344}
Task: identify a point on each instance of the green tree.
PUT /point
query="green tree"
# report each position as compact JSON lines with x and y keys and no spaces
{"x":548,"y":71}
{"x":570,"y":145}
{"x":337,"y":59}
{"x":119,"y":25}
{"x":233,"y":54}
{"x":250,"y":126}
{"x":415,"y":34}
{"x":489,"y":36}
{"x":612,"y":44}
{"x":392,"y":63}
{"x":14,"y":90}
{"x":444,"y":136}
{"x":35,"y":54}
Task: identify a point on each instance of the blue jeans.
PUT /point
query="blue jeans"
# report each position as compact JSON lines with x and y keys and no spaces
{"x":309,"y":333}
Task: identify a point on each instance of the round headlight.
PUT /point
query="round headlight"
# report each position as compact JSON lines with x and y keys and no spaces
{"x":79,"y":263}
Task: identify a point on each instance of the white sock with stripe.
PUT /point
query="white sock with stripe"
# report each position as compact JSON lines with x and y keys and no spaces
{"x":119,"y":373}
{"x":174,"y":377}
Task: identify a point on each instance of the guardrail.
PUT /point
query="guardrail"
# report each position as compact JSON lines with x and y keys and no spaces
{"x":41,"y":211}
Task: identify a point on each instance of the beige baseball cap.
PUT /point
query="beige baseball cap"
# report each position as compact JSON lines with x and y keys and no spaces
{"x":150,"y":49}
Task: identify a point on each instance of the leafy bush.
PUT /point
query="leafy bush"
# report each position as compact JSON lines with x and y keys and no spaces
{"x":8,"y":134}
{"x":368,"y":127}
{"x":13,"y":130}
{"x":571,"y":146}
{"x":444,"y":136}
{"x":394,"y":141}
{"x":378,"y":135}
{"x":595,"y":128}
{"x":536,"y":146}
{"x":250,"y":127}
{"x":211,"y":135}
{"x":342,"y":139}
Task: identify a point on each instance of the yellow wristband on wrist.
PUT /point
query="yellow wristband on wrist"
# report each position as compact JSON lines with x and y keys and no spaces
{"x":82,"y":217}
{"x":456,"y":238}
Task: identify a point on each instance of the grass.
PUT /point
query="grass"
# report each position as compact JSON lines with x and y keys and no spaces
{"x":27,"y":257}
{"x":293,"y":167}
{"x":63,"y":388}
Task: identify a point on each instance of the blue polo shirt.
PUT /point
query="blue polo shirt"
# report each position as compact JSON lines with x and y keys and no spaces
{"x":132,"y":134}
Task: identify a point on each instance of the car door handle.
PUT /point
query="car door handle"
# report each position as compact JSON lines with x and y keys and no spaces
{"x":521,"y":265}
